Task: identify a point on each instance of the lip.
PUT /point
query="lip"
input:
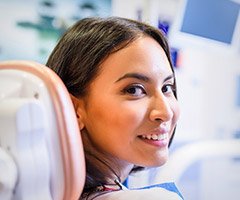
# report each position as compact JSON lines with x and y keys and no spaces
{"x":156,"y":143}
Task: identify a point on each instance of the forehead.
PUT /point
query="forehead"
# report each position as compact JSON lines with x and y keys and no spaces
{"x":144,"y":55}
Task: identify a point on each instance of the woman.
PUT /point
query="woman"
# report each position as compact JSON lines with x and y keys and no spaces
{"x":121,"y":80}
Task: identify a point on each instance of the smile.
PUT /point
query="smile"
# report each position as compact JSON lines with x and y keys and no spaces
{"x":156,"y":137}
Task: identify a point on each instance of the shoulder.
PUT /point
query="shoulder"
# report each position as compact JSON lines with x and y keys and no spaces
{"x":156,"y":193}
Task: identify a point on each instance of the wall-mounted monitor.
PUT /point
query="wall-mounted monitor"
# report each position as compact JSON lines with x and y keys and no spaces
{"x":216,"y":21}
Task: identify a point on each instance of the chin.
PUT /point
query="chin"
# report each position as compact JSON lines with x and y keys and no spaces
{"x":157,"y":162}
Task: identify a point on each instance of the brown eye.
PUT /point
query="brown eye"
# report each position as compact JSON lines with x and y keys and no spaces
{"x":135,"y":90}
{"x":169,"y":88}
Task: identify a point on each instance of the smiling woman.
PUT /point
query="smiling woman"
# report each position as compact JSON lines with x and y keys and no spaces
{"x":121,"y":80}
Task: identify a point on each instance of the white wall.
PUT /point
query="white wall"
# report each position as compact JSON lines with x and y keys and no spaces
{"x":151,"y":10}
{"x":207,"y":93}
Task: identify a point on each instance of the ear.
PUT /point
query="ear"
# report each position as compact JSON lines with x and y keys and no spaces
{"x":78,"y":109}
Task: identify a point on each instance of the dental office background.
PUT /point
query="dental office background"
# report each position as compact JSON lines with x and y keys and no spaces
{"x":204,"y":36}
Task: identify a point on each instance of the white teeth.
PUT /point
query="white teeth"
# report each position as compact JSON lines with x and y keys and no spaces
{"x":163,"y":136}
{"x":149,"y":137}
{"x":155,"y":137}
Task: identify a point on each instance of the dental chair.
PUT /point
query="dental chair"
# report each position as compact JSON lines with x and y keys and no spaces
{"x":41,"y":153}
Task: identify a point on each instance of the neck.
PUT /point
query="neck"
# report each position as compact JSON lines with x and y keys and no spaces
{"x":124,"y":169}
{"x":116,"y":170}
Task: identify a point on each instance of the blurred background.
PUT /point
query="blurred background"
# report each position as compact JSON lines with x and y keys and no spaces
{"x":204,"y":36}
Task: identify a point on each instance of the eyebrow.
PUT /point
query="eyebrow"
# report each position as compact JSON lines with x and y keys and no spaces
{"x":134,"y":75}
{"x":171,"y":76}
{"x":142,"y":77}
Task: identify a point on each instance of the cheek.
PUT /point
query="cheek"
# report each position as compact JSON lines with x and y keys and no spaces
{"x":119,"y":117}
{"x":113,"y":127}
{"x":126,"y":116}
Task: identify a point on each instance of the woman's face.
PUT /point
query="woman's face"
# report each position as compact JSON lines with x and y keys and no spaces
{"x":130,"y":111}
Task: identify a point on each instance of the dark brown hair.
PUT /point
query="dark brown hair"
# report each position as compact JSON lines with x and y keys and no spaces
{"x":78,"y":55}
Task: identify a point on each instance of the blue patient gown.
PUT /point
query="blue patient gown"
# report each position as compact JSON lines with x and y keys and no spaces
{"x":164,"y":191}
{"x":168,"y":186}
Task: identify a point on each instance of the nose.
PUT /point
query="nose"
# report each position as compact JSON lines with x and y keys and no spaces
{"x":161,"y":109}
